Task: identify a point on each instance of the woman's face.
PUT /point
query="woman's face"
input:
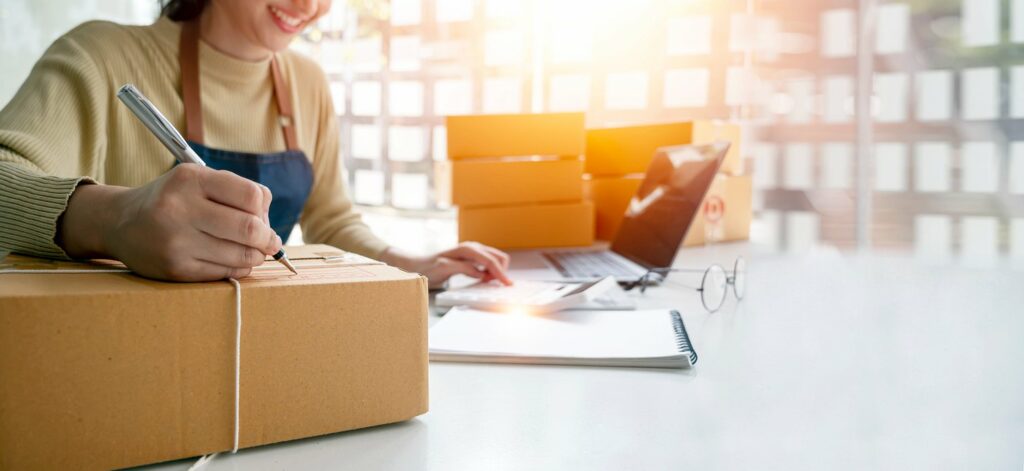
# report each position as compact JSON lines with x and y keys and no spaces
{"x":271,"y":24}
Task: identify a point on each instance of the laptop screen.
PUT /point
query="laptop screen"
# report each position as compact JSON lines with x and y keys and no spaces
{"x":667,"y":201}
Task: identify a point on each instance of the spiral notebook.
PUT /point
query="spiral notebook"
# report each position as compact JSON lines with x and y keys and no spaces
{"x":647,"y":338}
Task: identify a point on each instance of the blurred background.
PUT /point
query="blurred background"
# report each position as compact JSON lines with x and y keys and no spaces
{"x":873,"y":125}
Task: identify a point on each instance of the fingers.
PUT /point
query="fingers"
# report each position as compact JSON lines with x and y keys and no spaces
{"x":238,"y":192}
{"x":267,"y":197}
{"x":450,"y":268}
{"x":227,"y":254}
{"x":201,"y":270}
{"x":232,"y":225}
{"x":501,"y":256}
{"x":477,"y":254}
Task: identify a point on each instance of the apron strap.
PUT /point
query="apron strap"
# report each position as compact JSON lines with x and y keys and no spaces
{"x":188,"y":57}
{"x":284,"y":105}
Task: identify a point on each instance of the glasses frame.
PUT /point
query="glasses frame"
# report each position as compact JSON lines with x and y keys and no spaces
{"x":730,"y":279}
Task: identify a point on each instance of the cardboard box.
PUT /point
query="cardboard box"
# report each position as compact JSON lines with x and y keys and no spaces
{"x":517,"y":180}
{"x":515,"y":134}
{"x":729,"y":203}
{"x":611,"y":196}
{"x":530,"y":226}
{"x":626,"y":150}
{"x":108,"y":370}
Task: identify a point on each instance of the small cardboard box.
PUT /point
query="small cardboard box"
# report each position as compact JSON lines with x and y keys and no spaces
{"x":626,"y":150}
{"x":725,"y":213}
{"x":516,"y":180}
{"x":515,"y":134}
{"x":529,"y":226}
{"x":611,"y":196}
{"x":108,"y":370}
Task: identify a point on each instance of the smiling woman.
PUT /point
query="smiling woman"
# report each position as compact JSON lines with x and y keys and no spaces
{"x":82,"y":178}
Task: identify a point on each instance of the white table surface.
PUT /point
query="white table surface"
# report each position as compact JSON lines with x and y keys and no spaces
{"x":830,"y":362}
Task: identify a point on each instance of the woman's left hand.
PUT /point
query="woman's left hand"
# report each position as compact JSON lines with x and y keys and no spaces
{"x":468,"y":258}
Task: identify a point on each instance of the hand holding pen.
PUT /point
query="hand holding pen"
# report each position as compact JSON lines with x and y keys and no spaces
{"x":190,"y":224}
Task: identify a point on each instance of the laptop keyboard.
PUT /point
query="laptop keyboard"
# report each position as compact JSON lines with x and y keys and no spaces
{"x":577,"y":265}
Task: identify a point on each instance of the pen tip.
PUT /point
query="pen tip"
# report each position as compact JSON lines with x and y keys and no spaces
{"x":287,"y":263}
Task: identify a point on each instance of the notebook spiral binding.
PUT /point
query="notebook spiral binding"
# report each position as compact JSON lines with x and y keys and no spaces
{"x":682,"y":338}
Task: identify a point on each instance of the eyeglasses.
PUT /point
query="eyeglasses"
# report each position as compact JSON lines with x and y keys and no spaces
{"x":714,"y":284}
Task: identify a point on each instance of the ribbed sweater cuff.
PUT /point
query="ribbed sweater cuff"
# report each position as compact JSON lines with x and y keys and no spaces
{"x":30,"y":205}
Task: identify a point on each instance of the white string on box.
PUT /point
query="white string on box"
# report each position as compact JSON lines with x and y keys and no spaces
{"x":205,"y":459}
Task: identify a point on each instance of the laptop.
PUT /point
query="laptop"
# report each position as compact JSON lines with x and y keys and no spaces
{"x":653,"y":228}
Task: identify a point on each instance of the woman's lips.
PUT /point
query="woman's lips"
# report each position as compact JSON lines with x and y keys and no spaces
{"x":288,"y":23}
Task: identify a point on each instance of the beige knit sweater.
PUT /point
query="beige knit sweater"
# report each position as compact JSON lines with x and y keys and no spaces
{"x":65,"y":124}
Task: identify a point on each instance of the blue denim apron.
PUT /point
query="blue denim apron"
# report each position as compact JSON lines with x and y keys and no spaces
{"x":287,"y":174}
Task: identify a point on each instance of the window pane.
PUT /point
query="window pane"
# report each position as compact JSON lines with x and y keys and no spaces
{"x":838,"y":93}
{"x":405,"y":12}
{"x":980,"y":93}
{"x":409,"y":190}
{"x":502,"y":95}
{"x":686,"y":88}
{"x":979,"y":162}
{"x":366,"y":141}
{"x":405,"y":143}
{"x":366,"y":98}
{"x":890,"y":167}
{"x":978,"y":239}
{"x":892,"y":28}
{"x":799,"y":168}
{"x":838,"y":33}
{"x":454,"y":10}
{"x":980,"y":22}
{"x":405,"y":99}
{"x":837,"y":166}
{"x":569,"y":93}
{"x":934,"y":95}
{"x":689,"y":35}
{"x":453,"y":97}
{"x":626,"y":91}
{"x":891,"y":90}
{"x":405,"y":53}
{"x":932,"y":161}
{"x":933,"y":235}
{"x":369,"y":187}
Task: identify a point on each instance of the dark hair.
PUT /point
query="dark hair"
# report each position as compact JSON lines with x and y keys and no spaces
{"x":182,"y":10}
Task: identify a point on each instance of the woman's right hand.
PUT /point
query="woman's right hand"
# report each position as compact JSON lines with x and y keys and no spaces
{"x":191,"y":224}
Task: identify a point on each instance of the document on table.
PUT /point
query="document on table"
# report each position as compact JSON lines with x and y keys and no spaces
{"x":646,"y":338}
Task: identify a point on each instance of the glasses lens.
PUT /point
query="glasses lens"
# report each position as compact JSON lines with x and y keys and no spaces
{"x":739,"y":273}
{"x":713,"y":288}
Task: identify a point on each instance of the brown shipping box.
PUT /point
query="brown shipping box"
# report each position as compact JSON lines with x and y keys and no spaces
{"x":626,"y":150}
{"x":498,"y":135}
{"x":611,"y":196}
{"x":529,"y":226}
{"x":108,"y":370}
{"x":729,"y":202}
{"x":516,"y":180}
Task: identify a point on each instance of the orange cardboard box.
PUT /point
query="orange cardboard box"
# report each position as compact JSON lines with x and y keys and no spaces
{"x":729,"y":203}
{"x":515,"y":134}
{"x":611,"y":196}
{"x":518,"y":180}
{"x":110,"y":370}
{"x":529,"y":226}
{"x":626,"y":150}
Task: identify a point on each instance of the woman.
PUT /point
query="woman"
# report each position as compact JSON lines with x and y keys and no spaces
{"x":80,"y":177}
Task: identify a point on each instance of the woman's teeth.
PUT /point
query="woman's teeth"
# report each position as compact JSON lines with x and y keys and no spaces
{"x":286,"y":19}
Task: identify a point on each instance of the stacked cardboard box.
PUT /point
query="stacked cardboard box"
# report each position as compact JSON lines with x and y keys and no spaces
{"x":517,"y":180}
{"x":106,"y":370}
{"x":617,"y":158}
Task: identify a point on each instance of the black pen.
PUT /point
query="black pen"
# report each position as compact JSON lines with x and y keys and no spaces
{"x":171,"y":139}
